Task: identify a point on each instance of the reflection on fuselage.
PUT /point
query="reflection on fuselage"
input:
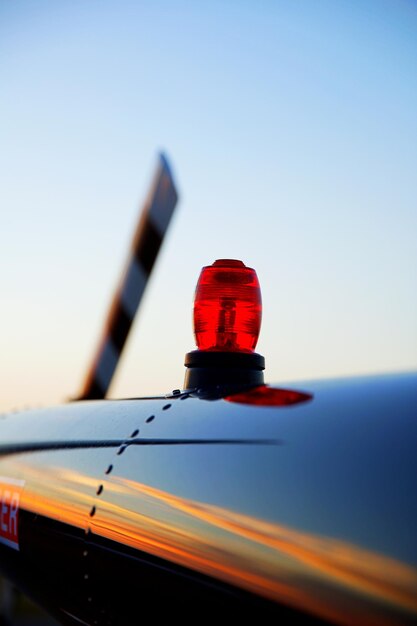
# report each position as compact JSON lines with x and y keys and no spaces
{"x":305,"y":570}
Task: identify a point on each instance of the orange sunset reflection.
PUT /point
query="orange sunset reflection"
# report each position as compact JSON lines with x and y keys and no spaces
{"x":329,"y":577}
{"x":273,"y":560}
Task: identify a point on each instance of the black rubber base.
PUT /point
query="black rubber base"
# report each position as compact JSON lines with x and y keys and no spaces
{"x":208,"y":369}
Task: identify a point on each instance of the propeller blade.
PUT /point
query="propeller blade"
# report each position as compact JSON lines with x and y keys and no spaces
{"x":153,"y":224}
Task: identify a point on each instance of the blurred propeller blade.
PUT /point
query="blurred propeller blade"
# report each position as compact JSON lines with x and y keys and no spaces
{"x":153,"y":224}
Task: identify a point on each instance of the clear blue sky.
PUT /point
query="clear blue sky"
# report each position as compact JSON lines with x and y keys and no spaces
{"x":291,"y":127}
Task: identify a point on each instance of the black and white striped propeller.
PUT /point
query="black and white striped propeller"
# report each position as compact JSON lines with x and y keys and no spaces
{"x":150,"y":232}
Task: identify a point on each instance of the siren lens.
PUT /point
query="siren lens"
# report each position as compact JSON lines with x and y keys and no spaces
{"x":227,"y":307}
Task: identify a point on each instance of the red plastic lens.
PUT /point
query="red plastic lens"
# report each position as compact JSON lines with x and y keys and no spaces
{"x":227,"y":307}
{"x":269,"y":396}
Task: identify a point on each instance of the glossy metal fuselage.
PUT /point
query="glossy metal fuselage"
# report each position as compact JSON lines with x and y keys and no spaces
{"x":310,"y":507}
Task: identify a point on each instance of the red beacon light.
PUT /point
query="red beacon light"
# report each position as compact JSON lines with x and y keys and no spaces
{"x":227,"y":321}
{"x":227,"y":307}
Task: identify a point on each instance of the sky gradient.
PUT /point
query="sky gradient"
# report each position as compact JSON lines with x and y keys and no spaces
{"x":291,"y":129}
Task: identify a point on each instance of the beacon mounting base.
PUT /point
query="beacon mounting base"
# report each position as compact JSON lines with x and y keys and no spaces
{"x":211,"y":368}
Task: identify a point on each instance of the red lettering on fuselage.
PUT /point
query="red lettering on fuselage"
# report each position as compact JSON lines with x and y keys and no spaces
{"x":10,"y":492}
